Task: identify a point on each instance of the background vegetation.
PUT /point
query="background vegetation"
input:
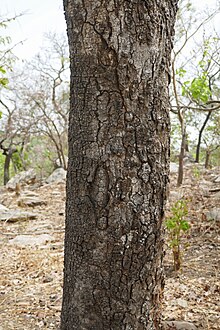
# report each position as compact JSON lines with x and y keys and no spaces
{"x":34,"y":99}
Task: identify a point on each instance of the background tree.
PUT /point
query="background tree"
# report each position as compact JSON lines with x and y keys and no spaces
{"x":7,"y":131}
{"x":118,"y":162}
{"x":6,"y":55}
{"x":192,"y":85}
{"x":48,"y":96}
{"x":35,"y":109}
{"x":14,"y":135}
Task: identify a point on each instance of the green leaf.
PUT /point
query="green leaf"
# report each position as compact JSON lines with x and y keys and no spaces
{"x":2,"y":70}
{"x":4,"y":82}
{"x":184,"y":225}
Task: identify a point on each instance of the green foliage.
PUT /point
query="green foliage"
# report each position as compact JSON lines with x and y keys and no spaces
{"x":3,"y":80}
{"x":198,"y":88}
{"x":11,"y":170}
{"x":20,"y":159}
{"x":176,"y":225}
{"x":196,"y":172}
{"x":181,"y":72}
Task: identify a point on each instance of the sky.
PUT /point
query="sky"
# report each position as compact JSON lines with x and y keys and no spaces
{"x":39,"y":17}
{"x":42,"y":16}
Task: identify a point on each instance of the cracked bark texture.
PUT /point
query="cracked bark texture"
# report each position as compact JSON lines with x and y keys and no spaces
{"x":118,"y":162}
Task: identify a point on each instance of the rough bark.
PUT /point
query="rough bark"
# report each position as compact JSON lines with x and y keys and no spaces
{"x":118,"y":162}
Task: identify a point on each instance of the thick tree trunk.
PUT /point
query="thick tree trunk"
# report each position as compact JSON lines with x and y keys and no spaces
{"x":118,"y":162}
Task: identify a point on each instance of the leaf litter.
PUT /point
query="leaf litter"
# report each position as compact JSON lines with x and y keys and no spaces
{"x":31,"y":276}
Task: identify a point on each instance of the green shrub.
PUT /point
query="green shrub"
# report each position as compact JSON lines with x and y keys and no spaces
{"x":176,"y":225}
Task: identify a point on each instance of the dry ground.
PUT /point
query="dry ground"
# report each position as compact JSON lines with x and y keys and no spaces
{"x":31,"y":277}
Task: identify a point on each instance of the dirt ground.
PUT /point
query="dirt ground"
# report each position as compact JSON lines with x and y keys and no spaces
{"x":31,"y":277}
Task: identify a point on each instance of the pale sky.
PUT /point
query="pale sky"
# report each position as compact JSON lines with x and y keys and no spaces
{"x":41,"y":16}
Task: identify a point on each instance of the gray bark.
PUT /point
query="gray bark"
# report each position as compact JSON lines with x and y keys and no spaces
{"x":118,"y":162}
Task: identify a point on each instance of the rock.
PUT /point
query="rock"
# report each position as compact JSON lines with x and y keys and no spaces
{"x":204,"y":191}
{"x":175,"y":195}
{"x":178,"y":325}
{"x":58,"y":164}
{"x":188,"y":159}
{"x":180,"y":302}
{"x":3,"y":208}
{"x":31,"y":240}
{"x":217,"y":179}
{"x":214,"y":214}
{"x":174,"y":168}
{"x":56,"y":193}
{"x":16,"y":215}
{"x":29,"y":193}
{"x":216,"y":196}
{"x":204,"y":183}
{"x":26,"y":177}
{"x":30,"y":201}
{"x":58,"y":175}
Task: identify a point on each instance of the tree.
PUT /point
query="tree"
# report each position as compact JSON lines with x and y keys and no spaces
{"x":191,"y":94}
{"x":6,"y":55}
{"x":14,"y":134}
{"x":48,"y":97}
{"x":118,"y":162}
{"x":37,"y":108}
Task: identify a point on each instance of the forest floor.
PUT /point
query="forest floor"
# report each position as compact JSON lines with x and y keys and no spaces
{"x":31,"y":276}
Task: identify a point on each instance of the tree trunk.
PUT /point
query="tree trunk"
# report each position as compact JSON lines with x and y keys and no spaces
{"x":8,"y":156}
{"x":200,"y":137}
{"x":118,"y":162}
{"x":181,"y":155}
{"x":207,"y":158}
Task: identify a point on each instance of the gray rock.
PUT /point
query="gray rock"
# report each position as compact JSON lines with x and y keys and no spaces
{"x":214,"y":214}
{"x":29,"y":193}
{"x":57,"y":176}
{"x":26,"y":177}
{"x":178,"y":325}
{"x":59,"y":164}
{"x":16,"y":215}
{"x":188,"y":159}
{"x":179,"y":302}
{"x":30,"y":201}
{"x":216,"y":196}
{"x":31,"y":240}
{"x":175,"y":195}
{"x":174,"y":168}
{"x":3,"y":208}
{"x":217,"y":179}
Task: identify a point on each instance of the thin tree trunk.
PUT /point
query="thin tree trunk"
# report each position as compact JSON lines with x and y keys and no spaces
{"x":181,"y":157}
{"x":8,"y":157}
{"x":200,"y":136}
{"x":207,"y":158}
{"x":118,"y":163}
